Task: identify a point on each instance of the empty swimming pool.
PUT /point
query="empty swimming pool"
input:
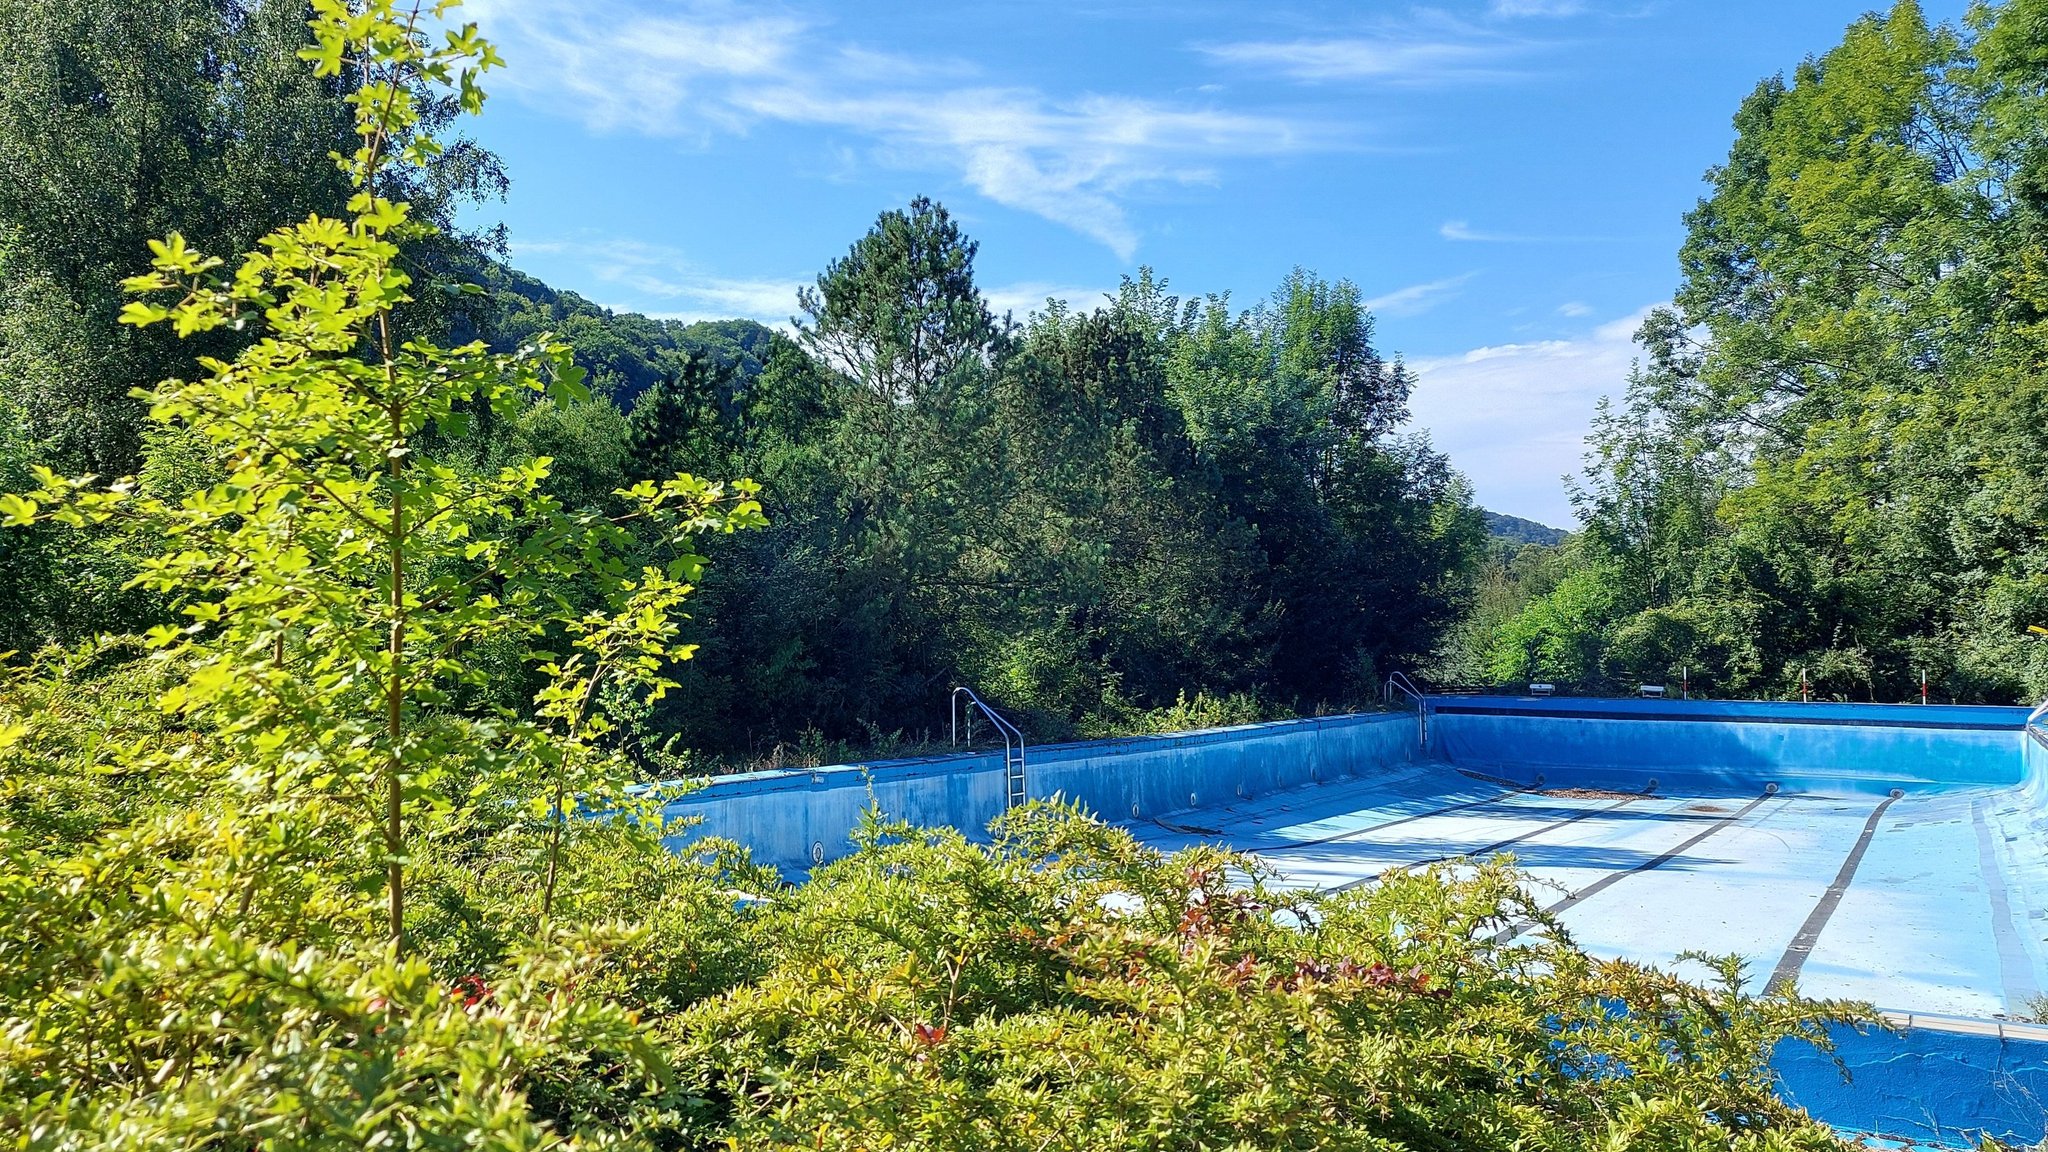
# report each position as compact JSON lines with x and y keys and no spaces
{"x":1874,"y":858}
{"x":1891,"y":854}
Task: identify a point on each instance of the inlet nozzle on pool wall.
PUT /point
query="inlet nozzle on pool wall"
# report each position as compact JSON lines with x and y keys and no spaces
{"x":1651,"y":786}
{"x":1896,"y":793}
{"x":1770,"y":789}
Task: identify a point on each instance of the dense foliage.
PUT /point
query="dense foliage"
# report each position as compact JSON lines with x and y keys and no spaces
{"x":1091,"y":516}
{"x":1831,"y":459}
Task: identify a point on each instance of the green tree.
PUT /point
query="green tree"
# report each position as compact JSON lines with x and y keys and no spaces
{"x":124,"y":121}
{"x":333,"y":575}
{"x":210,"y":964}
{"x":900,"y":313}
{"x":1831,"y":459}
{"x":1369,"y":537}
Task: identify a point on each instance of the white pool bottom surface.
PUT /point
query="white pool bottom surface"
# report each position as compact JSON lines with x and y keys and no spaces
{"x":1944,"y":913}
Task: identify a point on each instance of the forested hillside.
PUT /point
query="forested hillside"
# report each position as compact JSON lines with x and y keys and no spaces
{"x":1517,"y":530}
{"x":1834,"y":455}
{"x":1155,"y":503}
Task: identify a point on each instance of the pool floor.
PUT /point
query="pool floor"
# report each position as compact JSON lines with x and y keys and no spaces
{"x":1930,"y":903}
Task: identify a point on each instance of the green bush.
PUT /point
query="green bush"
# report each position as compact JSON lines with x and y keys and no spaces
{"x":1065,"y":987}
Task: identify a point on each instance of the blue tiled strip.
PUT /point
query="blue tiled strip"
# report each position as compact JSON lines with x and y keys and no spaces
{"x":2016,"y":975}
{"x":1790,"y":716}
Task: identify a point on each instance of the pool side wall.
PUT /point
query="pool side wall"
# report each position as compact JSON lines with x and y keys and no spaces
{"x":791,"y":819}
{"x":1946,"y":1085}
{"x":1713,"y":746}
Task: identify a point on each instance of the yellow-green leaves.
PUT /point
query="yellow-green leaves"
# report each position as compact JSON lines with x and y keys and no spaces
{"x":375,"y":214}
{"x":141,"y":313}
{"x":389,"y":45}
{"x":331,"y":30}
{"x":16,"y":511}
{"x":177,"y":265}
{"x":174,"y":258}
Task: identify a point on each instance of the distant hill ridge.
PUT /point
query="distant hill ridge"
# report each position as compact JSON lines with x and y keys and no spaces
{"x":1506,"y":527}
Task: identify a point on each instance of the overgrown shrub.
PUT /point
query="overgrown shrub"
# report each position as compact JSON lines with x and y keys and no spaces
{"x":1065,"y":987}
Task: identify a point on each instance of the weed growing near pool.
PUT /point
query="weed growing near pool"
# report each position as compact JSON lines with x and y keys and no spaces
{"x":1069,"y":988}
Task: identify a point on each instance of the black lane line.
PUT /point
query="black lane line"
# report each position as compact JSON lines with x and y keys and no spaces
{"x":1801,"y":947}
{"x":1610,"y":880}
{"x":1497,"y":845}
{"x":1292,"y":845}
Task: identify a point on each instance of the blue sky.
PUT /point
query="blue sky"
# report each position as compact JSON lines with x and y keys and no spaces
{"x":1505,"y":179}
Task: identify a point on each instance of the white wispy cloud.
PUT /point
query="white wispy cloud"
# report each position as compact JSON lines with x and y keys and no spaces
{"x":1367,"y":58}
{"x":1067,"y":161}
{"x":1023,"y":299}
{"x":1416,"y":299}
{"x":1462,"y":231}
{"x":619,"y":68}
{"x":1514,"y":417}
{"x":705,"y":67}
{"x":1574,"y":309}
{"x":630,"y":275}
{"x":1425,"y":46}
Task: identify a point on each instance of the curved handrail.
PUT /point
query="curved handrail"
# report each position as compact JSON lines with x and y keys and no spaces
{"x":1014,"y":788}
{"x":1399,"y":680}
{"x":2032,"y":725}
{"x":995,"y":718}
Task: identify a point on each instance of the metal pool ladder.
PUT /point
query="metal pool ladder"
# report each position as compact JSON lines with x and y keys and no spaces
{"x":1400,"y":682}
{"x":2033,"y":727}
{"x":1014,"y":792}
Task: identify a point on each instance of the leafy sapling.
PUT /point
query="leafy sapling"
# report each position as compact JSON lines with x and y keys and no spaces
{"x":332,"y":581}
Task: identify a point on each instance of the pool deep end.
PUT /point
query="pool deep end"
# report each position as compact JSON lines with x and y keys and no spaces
{"x":1896,"y":854}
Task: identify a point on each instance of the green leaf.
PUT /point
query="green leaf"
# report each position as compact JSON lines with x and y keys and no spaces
{"x":142,"y":314}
